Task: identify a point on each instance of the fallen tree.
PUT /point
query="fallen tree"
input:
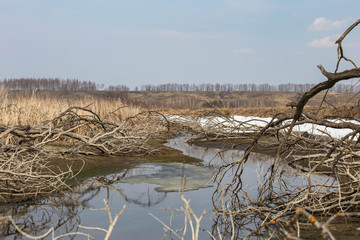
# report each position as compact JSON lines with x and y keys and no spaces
{"x":277,"y":198}
{"x":25,"y":151}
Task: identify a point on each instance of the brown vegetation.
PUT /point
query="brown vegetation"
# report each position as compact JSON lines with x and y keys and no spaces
{"x":235,"y":102}
{"x":31,"y":108}
{"x":336,"y":159}
{"x":35,"y":130}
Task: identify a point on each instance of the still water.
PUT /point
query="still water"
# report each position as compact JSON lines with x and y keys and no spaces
{"x":145,"y":188}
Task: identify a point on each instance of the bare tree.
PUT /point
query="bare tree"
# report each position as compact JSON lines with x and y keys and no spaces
{"x":338,"y":159}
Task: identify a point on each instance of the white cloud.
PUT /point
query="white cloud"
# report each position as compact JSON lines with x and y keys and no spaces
{"x":243,"y":50}
{"x":323,"y":24}
{"x":328,"y":41}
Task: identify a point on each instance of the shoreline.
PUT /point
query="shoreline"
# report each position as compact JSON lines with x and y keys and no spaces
{"x":89,"y":166}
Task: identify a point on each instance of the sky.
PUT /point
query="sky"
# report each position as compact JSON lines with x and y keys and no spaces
{"x":138,"y":42}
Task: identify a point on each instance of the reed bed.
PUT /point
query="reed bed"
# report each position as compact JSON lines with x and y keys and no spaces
{"x":34,"y":110}
{"x":37,"y":130}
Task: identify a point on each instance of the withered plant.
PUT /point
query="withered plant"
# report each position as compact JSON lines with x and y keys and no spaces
{"x":27,"y":145}
{"x":335,"y":160}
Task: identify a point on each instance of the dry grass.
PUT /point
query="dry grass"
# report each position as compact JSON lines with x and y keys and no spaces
{"x":232,"y":100}
{"x":36,"y":130}
{"x":34,"y":110}
{"x":18,"y":108}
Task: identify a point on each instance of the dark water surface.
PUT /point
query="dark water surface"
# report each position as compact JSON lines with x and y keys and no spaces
{"x":145,"y":188}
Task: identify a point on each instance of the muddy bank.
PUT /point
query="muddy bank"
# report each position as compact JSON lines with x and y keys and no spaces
{"x":239,"y":143}
{"x":70,"y":169}
{"x":89,"y":166}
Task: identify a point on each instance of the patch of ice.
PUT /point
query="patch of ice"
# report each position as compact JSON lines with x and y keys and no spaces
{"x":170,"y":177}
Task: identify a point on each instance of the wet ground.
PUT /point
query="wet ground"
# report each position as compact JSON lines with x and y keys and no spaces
{"x":146,"y":185}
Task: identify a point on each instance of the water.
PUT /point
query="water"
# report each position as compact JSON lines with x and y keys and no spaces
{"x":144,"y":188}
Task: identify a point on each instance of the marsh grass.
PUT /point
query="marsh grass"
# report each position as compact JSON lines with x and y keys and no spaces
{"x":34,"y":109}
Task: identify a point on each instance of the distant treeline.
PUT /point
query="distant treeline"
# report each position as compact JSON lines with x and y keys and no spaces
{"x":49,"y":84}
{"x":76,"y":85}
{"x":57,"y":84}
{"x":249,"y":87}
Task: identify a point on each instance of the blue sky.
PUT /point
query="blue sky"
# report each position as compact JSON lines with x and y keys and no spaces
{"x":137,"y":42}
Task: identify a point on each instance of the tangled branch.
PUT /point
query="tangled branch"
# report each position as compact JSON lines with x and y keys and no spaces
{"x":25,"y":151}
{"x":329,"y":165}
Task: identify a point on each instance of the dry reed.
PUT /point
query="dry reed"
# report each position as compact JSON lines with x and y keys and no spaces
{"x":34,"y":110}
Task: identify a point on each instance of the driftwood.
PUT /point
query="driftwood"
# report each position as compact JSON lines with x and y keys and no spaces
{"x":83,"y":134}
{"x":25,"y":150}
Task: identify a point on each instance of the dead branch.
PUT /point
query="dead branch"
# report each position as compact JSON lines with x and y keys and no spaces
{"x":289,"y":232}
{"x":316,"y":156}
{"x":24,"y":150}
{"x":88,"y":132}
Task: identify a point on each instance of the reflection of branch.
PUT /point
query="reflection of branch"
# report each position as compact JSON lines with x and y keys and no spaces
{"x":110,"y":181}
{"x":188,"y":218}
{"x":59,"y":210}
{"x":165,"y":226}
{"x":112,"y":223}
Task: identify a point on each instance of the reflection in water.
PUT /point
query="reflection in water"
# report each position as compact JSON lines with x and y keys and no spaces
{"x":145,"y":188}
{"x":144,"y":185}
{"x":255,"y":173}
{"x":38,"y":217}
{"x":170,"y":177}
